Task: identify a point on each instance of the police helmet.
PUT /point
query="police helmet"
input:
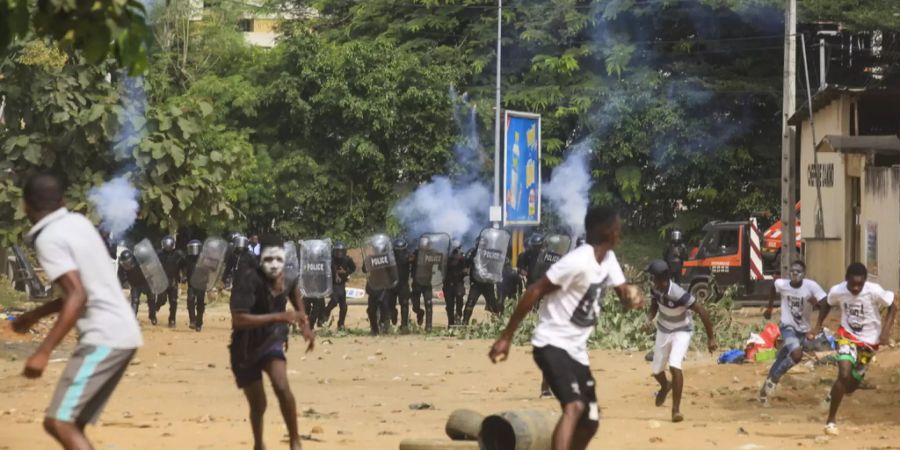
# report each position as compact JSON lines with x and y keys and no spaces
{"x":168,"y":243}
{"x":193,"y":247}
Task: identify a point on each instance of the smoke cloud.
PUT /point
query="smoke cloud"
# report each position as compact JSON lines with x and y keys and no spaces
{"x":116,"y":203}
{"x":440,"y":206}
{"x":456,"y":204}
{"x":567,"y":192}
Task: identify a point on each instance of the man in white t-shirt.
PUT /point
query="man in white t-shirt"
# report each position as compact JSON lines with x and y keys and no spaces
{"x":860,"y":334}
{"x":74,"y":257}
{"x":799,"y":298}
{"x":572,"y":292}
{"x":673,"y":308}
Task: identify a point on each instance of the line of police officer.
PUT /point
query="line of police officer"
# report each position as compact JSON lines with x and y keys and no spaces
{"x":411,"y":282}
{"x":157,"y":277}
{"x":415,"y":279}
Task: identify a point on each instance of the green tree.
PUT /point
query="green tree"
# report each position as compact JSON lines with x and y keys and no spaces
{"x":675,"y":100}
{"x":346,"y":126}
{"x":67,"y":115}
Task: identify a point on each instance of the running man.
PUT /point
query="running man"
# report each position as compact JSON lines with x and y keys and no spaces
{"x":74,"y":256}
{"x":260,"y":322}
{"x":799,"y":298}
{"x":673,"y":310}
{"x":860,"y":334}
{"x":573,"y":289}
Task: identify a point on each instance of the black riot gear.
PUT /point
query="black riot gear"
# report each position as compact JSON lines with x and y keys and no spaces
{"x":193,"y":247}
{"x":175,"y":265}
{"x":342,"y":266}
{"x":675,"y":254}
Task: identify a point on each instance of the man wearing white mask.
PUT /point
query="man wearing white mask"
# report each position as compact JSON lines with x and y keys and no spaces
{"x":261,"y":322}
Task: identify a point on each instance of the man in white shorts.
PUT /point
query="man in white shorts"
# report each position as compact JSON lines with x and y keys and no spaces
{"x":673,"y":309}
{"x":74,"y":256}
{"x":573,"y":290}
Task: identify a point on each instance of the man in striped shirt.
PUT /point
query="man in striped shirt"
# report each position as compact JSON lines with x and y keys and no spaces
{"x":673,"y":310}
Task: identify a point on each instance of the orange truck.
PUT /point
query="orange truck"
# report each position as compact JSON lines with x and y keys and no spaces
{"x":771,"y":249}
{"x":729,"y":255}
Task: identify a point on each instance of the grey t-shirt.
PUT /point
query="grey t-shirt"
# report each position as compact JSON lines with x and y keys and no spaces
{"x":67,"y":242}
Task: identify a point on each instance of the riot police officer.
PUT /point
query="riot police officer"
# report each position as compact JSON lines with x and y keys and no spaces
{"x":417,"y":292}
{"x":400,"y":294}
{"x":478,"y":289}
{"x":174,"y":264}
{"x":675,"y":254}
{"x":510,"y":288}
{"x":130,"y":273}
{"x":240,"y":260}
{"x":527,"y":261}
{"x":196,"y":298}
{"x":454,"y":283}
{"x":342,"y":266}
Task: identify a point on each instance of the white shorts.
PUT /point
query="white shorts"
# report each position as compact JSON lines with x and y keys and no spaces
{"x":671,"y":349}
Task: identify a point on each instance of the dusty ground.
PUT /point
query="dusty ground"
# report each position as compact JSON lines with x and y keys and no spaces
{"x":356,"y":392}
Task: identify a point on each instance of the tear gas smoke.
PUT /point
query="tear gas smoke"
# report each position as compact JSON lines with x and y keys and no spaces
{"x":456,"y":204}
{"x":440,"y":206}
{"x":567,"y":192}
{"x":116,"y":203}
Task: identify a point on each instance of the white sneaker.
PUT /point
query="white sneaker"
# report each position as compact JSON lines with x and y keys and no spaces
{"x":831,"y":429}
{"x":767,"y":389}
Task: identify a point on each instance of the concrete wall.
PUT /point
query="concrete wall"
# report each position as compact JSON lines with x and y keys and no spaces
{"x":881,"y":208}
{"x":266,"y":39}
{"x":825,"y":261}
{"x":832,"y":119}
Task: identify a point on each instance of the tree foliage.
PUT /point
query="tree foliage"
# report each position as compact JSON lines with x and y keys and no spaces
{"x":345,"y":124}
{"x":677,"y":101}
{"x":75,"y":118}
{"x":96,"y":28}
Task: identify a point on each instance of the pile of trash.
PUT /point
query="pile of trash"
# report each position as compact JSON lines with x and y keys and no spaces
{"x":762,"y":347}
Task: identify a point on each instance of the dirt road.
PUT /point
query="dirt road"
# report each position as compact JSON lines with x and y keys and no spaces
{"x":355,"y":393}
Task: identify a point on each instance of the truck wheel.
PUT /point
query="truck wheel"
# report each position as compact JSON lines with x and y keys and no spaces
{"x":703,"y":292}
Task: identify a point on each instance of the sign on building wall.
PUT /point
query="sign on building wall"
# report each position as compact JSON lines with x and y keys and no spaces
{"x":825,"y":171}
{"x":872,"y":247}
{"x":522,"y":180}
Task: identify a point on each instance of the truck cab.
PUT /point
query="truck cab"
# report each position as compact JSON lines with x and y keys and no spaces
{"x":727,"y":256}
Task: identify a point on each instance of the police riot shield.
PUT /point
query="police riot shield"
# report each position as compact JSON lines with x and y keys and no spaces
{"x":291,"y":262}
{"x":555,"y":246}
{"x":491,"y":255}
{"x":153,"y":271}
{"x":209,"y":264}
{"x":315,"y":268}
{"x":379,"y":262}
{"x":431,"y":259}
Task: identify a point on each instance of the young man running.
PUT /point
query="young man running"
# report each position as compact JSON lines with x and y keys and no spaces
{"x":673,"y":309}
{"x":799,"y":298}
{"x":860,"y":333}
{"x":572,"y":290}
{"x":260,"y":323}
{"x":74,"y":256}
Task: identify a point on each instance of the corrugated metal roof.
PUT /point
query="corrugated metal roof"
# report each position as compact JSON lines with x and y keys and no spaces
{"x":860,"y":144}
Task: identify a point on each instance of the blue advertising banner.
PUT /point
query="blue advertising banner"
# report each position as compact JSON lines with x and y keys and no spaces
{"x":522,"y":179}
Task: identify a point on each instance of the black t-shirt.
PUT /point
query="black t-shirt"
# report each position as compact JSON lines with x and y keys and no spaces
{"x":252,"y":295}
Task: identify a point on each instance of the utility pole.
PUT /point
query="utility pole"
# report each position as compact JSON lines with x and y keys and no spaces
{"x":788,"y":133}
{"x":496,"y":210}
